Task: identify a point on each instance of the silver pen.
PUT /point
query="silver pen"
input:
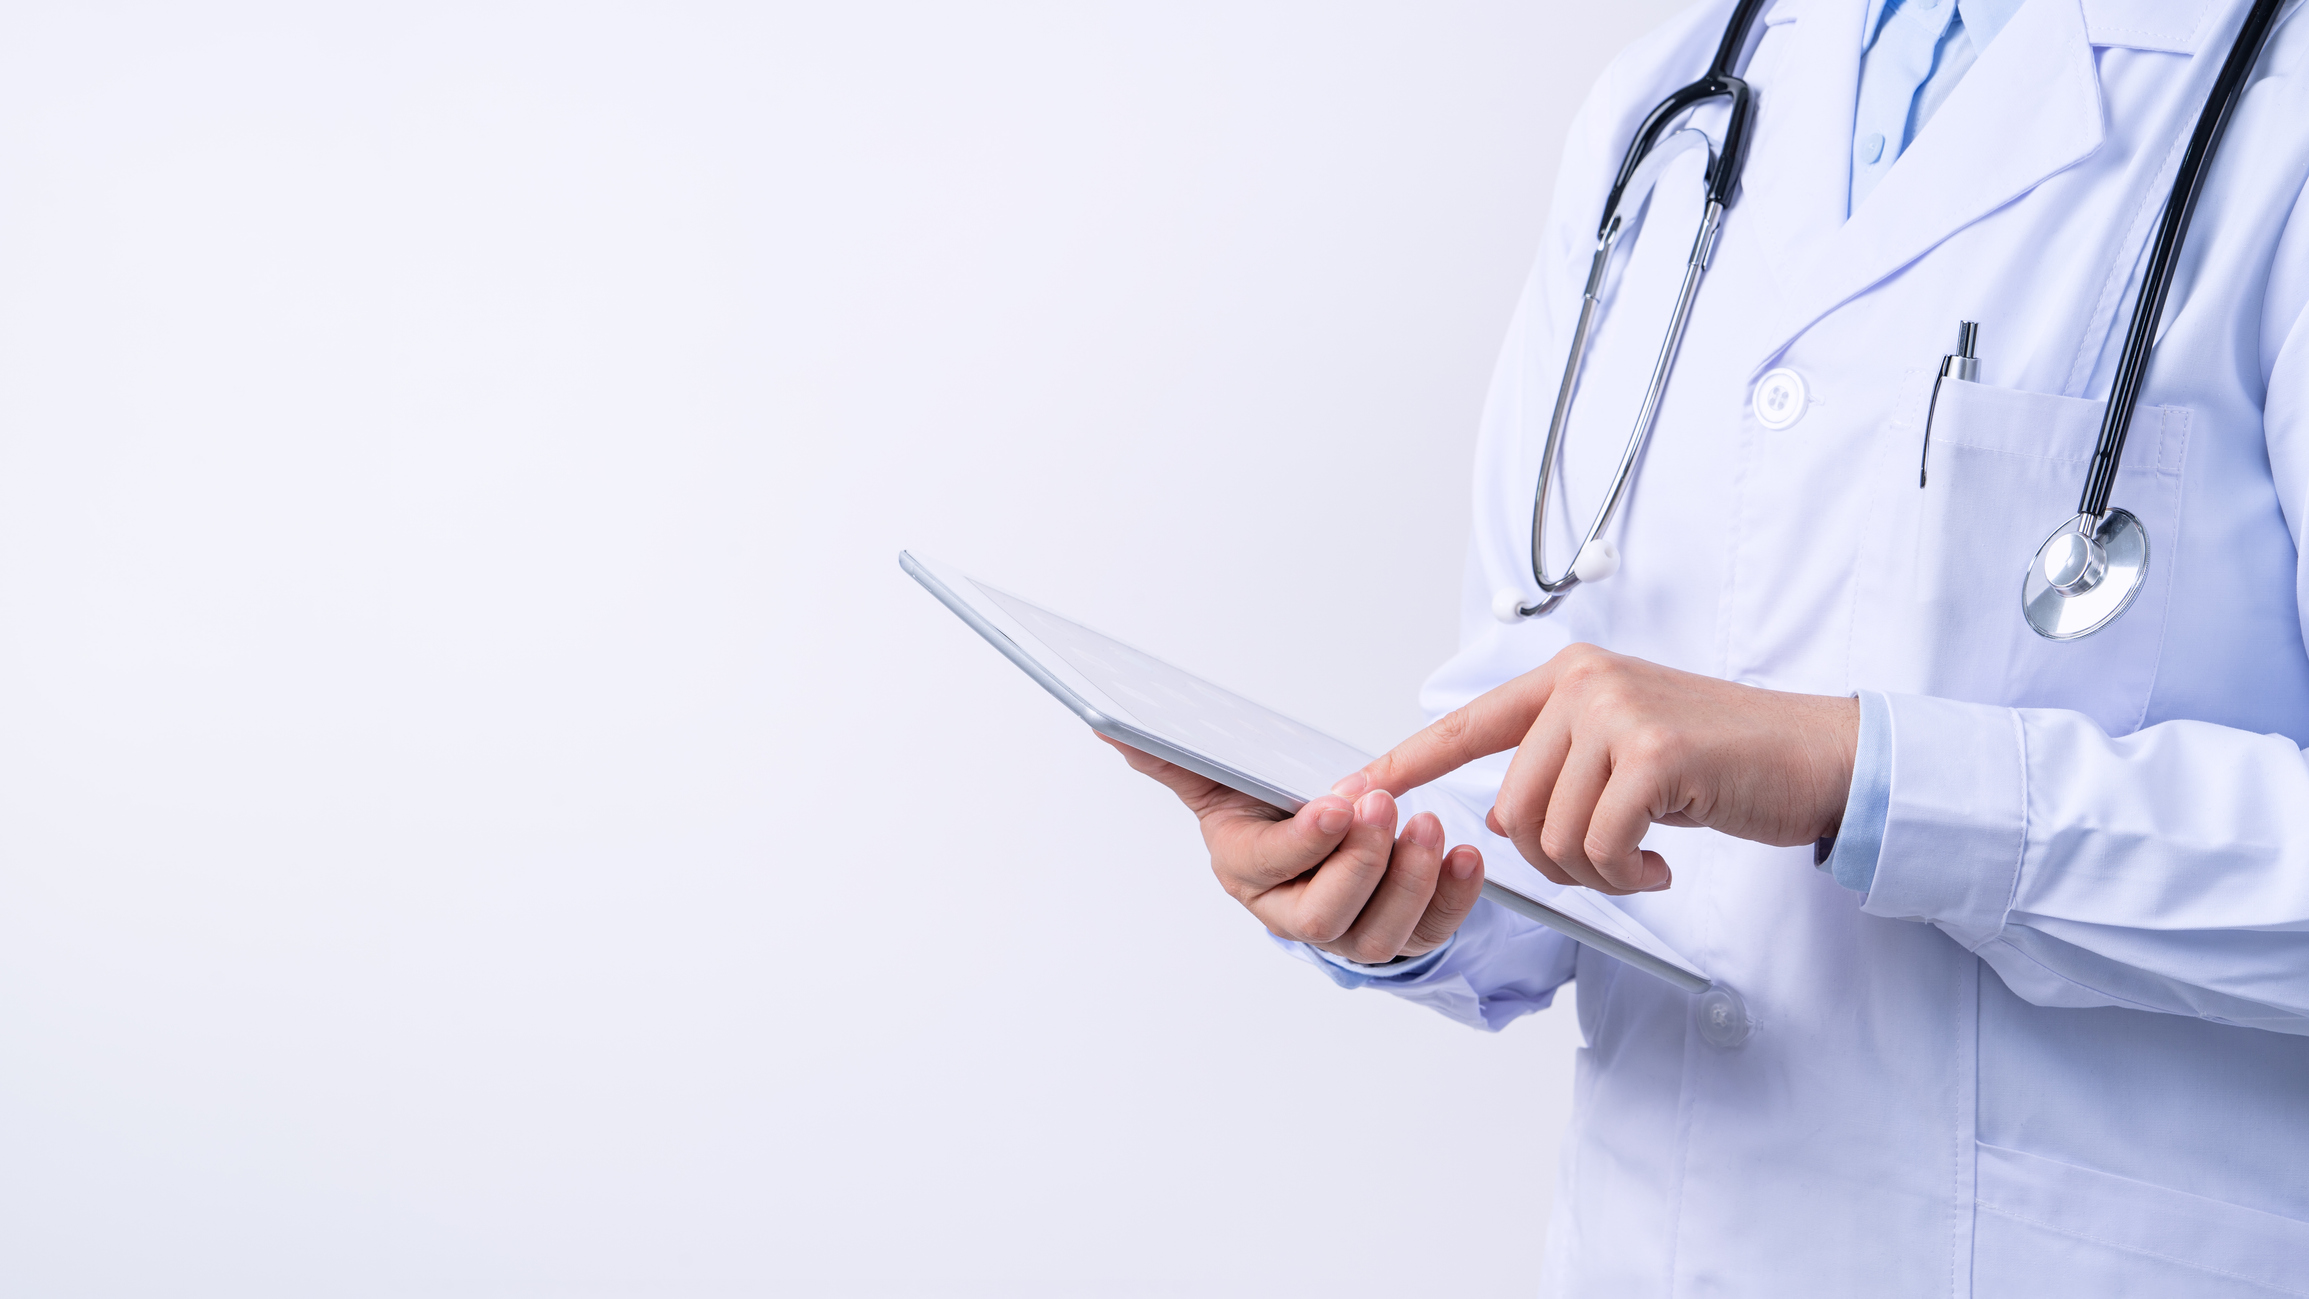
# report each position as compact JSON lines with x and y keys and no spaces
{"x":1963,"y":363}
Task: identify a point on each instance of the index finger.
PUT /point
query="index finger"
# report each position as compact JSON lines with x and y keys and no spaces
{"x":1492,"y":722}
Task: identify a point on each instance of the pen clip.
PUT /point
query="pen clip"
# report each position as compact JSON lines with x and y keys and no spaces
{"x":1963,"y":363}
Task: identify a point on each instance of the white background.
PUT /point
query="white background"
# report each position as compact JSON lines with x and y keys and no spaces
{"x":481,"y":811}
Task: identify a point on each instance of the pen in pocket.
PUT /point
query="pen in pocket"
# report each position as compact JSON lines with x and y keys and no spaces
{"x":1963,"y":363}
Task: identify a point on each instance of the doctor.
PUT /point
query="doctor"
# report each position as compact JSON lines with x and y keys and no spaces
{"x":2022,"y":924}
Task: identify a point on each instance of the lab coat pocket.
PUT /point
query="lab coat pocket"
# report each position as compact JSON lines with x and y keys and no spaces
{"x":2003,"y":469}
{"x":2045,"y":1227}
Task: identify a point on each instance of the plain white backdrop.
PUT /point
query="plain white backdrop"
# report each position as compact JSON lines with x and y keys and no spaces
{"x":481,"y":811}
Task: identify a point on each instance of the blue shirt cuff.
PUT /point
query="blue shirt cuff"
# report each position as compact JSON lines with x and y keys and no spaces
{"x":1352,"y":974}
{"x":1860,"y":839}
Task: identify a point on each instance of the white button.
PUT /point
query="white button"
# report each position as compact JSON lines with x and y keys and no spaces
{"x":1779,"y":399}
{"x":1723,"y":1017}
{"x":1870,"y":147}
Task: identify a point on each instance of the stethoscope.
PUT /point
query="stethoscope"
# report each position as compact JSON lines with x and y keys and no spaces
{"x":2087,"y":572}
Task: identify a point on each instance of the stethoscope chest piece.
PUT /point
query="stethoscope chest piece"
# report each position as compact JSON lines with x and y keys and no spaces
{"x":2081,"y":580}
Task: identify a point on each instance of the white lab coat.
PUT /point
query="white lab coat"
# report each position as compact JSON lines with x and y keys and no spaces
{"x":2062,"y":1048}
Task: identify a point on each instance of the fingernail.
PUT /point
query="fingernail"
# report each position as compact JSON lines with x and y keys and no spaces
{"x":1426,"y":831}
{"x":1351,"y":785}
{"x":1374,"y":806}
{"x":1464,"y":862}
{"x":1333,"y":819}
{"x":1667,"y":877}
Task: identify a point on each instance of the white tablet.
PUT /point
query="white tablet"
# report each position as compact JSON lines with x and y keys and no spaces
{"x":1131,"y":696}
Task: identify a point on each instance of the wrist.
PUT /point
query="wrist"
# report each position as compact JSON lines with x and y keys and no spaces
{"x":1833,"y":753}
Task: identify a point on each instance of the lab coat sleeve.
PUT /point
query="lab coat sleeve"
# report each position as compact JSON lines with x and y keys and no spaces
{"x":1497,"y":967}
{"x":2167,"y":870}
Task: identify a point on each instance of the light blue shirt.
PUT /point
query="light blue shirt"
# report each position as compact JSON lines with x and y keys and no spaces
{"x":1860,"y":839}
{"x":1913,"y":54}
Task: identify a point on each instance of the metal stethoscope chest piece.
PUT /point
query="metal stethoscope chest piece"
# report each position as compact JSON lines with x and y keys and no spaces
{"x":2085,"y":575}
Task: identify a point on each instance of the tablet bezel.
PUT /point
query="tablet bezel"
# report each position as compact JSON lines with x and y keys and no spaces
{"x":958,"y":591}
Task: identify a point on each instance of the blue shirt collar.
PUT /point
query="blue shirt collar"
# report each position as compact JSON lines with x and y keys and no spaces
{"x":1983,"y":19}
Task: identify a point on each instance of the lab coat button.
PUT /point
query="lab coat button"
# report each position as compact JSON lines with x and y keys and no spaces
{"x":1869,"y":148}
{"x":1723,"y":1016}
{"x":1780,"y":399}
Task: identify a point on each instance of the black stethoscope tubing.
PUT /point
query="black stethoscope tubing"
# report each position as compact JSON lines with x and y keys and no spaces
{"x":2180,"y":206}
{"x":1719,"y":83}
{"x":1723,"y":180}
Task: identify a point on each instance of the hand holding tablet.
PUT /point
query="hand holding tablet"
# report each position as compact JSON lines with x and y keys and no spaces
{"x":1253,"y":757}
{"x":1335,"y":874}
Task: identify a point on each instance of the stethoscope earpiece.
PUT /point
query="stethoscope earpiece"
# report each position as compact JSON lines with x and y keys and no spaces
{"x":1597,"y":560}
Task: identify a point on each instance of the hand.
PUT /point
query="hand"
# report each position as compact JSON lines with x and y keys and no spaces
{"x":1606,"y":746}
{"x":1336,"y":875}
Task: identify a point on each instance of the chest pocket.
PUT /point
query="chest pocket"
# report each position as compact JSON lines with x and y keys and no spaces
{"x":2004,"y":469}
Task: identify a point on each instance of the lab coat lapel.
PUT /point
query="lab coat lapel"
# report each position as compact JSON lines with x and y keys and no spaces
{"x":2168,"y":26}
{"x":2030,"y":108}
{"x":1792,"y":197}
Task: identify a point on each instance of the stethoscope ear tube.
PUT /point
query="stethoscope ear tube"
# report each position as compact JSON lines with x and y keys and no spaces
{"x":2188,"y":184}
{"x":2087,"y":573}
{"x":1734,"y":45}
{"x":1723,"y":171}
{"x":1638,"y":170}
